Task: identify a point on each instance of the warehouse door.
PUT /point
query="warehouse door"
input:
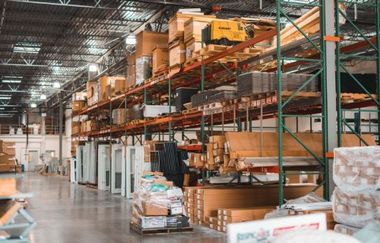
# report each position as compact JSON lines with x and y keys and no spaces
{"x":33,"y":158}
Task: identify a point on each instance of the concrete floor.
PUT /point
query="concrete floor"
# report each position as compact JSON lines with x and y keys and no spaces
{"x":65,"y":212}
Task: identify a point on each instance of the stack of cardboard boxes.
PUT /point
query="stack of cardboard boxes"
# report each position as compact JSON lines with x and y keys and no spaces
{"x":157,"y":204}
{"x":148,"y":41}
{"x":177,"y":38}
{"x":356,"y":198}
{"x":7,"y":157}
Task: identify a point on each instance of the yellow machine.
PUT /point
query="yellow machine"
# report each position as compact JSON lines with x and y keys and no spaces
{"x":227,"y":32}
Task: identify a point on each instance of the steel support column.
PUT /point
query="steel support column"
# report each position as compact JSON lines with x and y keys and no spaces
{"x":60,"y":127}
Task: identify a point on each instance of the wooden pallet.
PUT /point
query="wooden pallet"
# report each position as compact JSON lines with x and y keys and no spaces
{"x":353,"y":97}
{"x":189,"y":111}
{"x":136,"y":122}
{"x":142,"y":231}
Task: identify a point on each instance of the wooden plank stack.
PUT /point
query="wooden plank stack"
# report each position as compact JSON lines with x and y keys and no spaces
{"x":201,"y":203}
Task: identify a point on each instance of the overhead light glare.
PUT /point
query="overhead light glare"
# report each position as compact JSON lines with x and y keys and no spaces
{"x":11,"y":81}
{"x":5,"y":97}
{"x":56,"y":85}
{"x":93,"y":68}
{"x":33,"y":105}
{"x":43,"y":97}
{"x":131,"y":39}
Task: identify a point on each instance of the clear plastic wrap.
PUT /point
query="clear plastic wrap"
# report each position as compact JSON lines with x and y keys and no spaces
{"x":356,"y":209}
{"x":313,"y":236}
{"x":345,"y":229}
{"x":357,"y":168}
{"x":369,"y":234}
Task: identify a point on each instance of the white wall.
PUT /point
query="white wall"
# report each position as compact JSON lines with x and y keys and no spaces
{"x":39,"y":143}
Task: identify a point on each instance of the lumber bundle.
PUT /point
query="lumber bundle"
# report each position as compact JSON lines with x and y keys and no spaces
{"x":206,"y":201}
{"x":255,"y":144}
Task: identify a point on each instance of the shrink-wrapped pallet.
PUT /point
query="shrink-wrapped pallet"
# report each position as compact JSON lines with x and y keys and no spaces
{"x":357,"y":168}
{"x":356,"y":209}
{"x":345,"y":229}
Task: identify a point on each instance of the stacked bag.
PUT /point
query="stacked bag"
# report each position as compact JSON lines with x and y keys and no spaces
{"x":356,"y":198}
{"x":157,"y":204}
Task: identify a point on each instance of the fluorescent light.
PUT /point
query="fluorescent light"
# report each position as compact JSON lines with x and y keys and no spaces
{"x":131,"y":39}
{"x":5,"y":97}
{"x":93,"y":68}
{"x":56,"y":85}
{"x":11,"y":81}
{"x":43,"y":97}
{"x":33,"y":105}
{"x":2,"y":108}
{"x":27,"y":47}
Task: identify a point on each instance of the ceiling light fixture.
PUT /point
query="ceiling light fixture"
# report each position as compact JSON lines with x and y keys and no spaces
{"x":56,"y":85}
{"x":43,"y":97}
{"x":11,"y":81}
{"x":131,"y":39}
{"x":33,"y":105}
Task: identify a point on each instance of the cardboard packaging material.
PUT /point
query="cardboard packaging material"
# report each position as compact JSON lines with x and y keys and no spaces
{"x":78,"y":105}
{"x":119,"y":116}
{"x":92,"y":89}
{"x":356,"y":209}
{"x":152,"y":222}
{"x":177,"y":24}
{"x":147,"y":41}
{"x":194,"y":26}
{"x":80,"y":96}
{"x":111,"y":85}
{"x":75,"y":128}
{"x":357,"y":168}
{"x":160,"y":59}
{"x":177,"y":53}
{"x":345,"y":229}
{"x":143,"y":69}
{"x":192,"y":47}
{"x":7,"y":186}
{"x":131,"y":71}
{"x":151,"y":209}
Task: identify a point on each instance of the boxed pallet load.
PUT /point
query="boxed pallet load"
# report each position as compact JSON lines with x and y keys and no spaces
{"x":79,"y":96}
{"x":160,"y":60}
{"x":75,"y":127}
{"x":177,"y":53}
{"x":356,"y":198}
{"x":131,"y":71}
{"x":8,"y":148}
{"x":92,"y":89}
{"x":110,"y":86}
{"x":143,"y":69}
{"x":357,"y":168}
{"x":158,"y":204}
{"x":146,"y":41}
{"x":192,"y":47}
{"x":356,"y":209}
{"x":78,"y":105}
{"x":193,"y":27}
{"x":177,"y":23}
{"x":119,"y":116}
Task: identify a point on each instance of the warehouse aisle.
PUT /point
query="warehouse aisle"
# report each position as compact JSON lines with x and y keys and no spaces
{"x":73,"y":213}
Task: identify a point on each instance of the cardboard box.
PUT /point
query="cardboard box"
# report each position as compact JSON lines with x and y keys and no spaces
{"x":152,"y":222}
{"x":147,"y":41}
{"x":78,"y":105}
{"x":192,"y":47}
{"x":7,"y":186}
{"x":177,"y":24}
{"x":80,"y":96}
{"x":109,"y":85}
{"x":160,"y":59}
{"x":75,"y":127}
{"x":119,"y":116}
{"x":194,"y":26}
{"x":7,"y":159}
{"x":177,"y":53}
{"x":150,"y":209}
{"x":92,"y":89}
